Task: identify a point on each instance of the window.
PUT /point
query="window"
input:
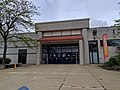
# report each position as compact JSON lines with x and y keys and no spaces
{"x":57,"y":33}
{"x":113,"y":32}
{"x":45,"y":34}
{"x":111,"y":42}
{"x":76,"y":32}
{"x":65,"y":33}
{"x":94,"y":32}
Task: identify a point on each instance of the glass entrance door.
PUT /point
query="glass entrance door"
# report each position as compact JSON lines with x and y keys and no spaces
{"x":60,"y":54}
{"x":93,"y":52}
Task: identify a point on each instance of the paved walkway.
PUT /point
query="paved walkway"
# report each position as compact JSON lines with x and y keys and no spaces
{"x":60,"y":77}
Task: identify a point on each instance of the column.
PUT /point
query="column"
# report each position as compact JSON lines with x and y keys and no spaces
{"x":39,"y":51}
{"x":39,"y":54}
{"x":85,"y":46}
{"x":81,"y":57}
{"x":99,"y":51}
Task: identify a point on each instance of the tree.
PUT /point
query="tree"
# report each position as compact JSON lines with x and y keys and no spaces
{"x":16,"y":17}
{"x":117,"y":24}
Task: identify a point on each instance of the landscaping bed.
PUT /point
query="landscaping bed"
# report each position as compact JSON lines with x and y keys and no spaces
{"x":112,"y":64}
{"x":10,"y":66}
{"x":7,"y":64}
{"x":109,"y":67}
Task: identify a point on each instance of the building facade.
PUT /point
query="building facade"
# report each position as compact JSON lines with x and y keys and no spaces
{"x":66,"y":42}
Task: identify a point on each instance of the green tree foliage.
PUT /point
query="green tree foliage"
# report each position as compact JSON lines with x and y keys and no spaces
{"x":16,"y":17}
{"x":117,"y":24}
{"x":115,"y":60}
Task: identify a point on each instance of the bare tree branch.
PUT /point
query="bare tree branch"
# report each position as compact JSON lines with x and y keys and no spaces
{"x":16,"y":16}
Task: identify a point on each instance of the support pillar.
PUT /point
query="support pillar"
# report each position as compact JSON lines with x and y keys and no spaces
{"x":39,"y":54}
{"x":85,"y":46}
{"x":99,"y":51}
{"x":81,"y":57}
{"x":39,"y":51}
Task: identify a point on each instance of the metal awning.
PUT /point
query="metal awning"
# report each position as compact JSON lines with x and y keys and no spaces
{"x":60,"y":38}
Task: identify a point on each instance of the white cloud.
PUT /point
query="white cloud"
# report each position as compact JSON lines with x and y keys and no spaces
{"x":102,"y":10}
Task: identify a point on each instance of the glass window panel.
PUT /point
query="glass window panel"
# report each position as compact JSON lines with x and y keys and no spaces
{"x":111,"y":42}
{"x":57,"y":33}
{"x":74,"y":32}
{"x":56,"y":49}
{"x":66,"y":50}
{"x":95,"y":57}
{"x":65,"y":32}
{"x":90,"y":57}
{"x":59,"y":53}
{"x":45,"y":34}
{"x":74,"y":49}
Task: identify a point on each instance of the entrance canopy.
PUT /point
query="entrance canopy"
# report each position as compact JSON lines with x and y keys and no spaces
{"x":60,"y":38}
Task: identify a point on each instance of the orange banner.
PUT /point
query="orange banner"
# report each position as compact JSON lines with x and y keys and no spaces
{"x":105,"y":46}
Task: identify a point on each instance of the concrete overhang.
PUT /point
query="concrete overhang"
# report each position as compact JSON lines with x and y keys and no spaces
{"x":62,"y":25}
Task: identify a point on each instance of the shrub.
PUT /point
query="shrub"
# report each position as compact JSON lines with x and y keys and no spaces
{"x":7,"y":60}
{"x":118,"y":59}
{"x":112,"y":61}
{"x":118,"y":56}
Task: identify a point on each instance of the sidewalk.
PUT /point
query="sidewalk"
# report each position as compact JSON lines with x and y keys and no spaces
{"x":59,"y":77}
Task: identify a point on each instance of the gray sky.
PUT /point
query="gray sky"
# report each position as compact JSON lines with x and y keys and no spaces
{"x":100,"y":12}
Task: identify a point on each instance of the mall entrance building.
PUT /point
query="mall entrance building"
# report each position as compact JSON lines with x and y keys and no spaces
{"x":63,"y":42}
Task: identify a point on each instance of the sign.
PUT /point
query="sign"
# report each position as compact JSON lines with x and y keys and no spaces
{"x":23,"y":88}
{"x":105,"y":46}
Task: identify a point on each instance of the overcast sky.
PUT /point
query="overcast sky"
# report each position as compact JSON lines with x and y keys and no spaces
{"x":100,"y":12}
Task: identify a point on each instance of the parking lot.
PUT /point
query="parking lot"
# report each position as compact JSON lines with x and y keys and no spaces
{"x":59,"y":77}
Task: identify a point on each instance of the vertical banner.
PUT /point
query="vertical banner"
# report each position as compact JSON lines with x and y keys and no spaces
{"x":105,"y":46}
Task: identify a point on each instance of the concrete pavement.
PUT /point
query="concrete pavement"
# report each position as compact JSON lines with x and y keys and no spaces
{"x":60,"y":77}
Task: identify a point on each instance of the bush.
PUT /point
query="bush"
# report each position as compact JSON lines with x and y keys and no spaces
{"x":118,"y":59}
{"x":112,"y":61}
{"x":7,"y":60}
